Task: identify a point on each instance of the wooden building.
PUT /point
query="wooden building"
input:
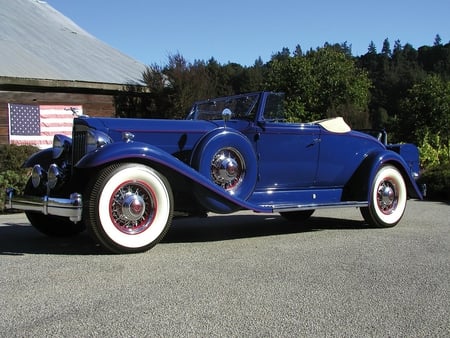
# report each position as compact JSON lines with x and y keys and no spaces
{"x":46,"y":59}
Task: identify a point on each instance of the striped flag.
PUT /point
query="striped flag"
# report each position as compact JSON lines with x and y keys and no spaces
{"x":36,"y":125}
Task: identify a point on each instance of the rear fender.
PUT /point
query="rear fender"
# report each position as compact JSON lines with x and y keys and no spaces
{"x":358,"y":187}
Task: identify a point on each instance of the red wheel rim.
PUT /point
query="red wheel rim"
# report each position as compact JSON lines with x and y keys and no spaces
{"x":132,"y":207}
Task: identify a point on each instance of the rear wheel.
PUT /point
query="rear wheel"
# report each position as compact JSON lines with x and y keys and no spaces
{"x":129,"y":207}
{"x":387,"y":198}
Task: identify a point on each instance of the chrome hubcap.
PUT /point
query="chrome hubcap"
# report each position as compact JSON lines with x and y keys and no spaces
{"x":132,"y":208}
{"x":227,"y":168}
{"x":386,"y":197}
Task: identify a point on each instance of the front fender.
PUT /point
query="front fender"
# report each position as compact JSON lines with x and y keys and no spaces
{"x":358,"y":187}
{"x":120,"y":151}
{"x":145,"y":153}
{"x":44,"y":158}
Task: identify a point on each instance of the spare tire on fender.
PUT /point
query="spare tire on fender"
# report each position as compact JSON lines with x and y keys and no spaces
{"x":228,"y":159}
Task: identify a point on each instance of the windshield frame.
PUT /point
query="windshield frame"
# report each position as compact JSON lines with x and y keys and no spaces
{"x":242,"y":107}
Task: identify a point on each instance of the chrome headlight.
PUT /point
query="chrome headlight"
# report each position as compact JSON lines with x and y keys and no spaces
{"x":38,"y":176}
{"x":60,"y":144}
{"x":96,"y":139}
{"x":54,"y":175}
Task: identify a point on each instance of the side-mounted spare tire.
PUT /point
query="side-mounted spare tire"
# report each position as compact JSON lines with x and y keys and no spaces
{"x":228,"y":159}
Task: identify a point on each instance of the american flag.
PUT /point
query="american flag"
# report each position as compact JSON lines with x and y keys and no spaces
{"x":36,"y":125}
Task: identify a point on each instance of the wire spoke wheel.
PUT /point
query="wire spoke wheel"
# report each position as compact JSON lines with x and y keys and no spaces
{"x":130,"y":207}
{"x":388,"y":197}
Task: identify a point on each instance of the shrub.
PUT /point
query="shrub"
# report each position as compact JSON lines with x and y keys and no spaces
{"x":11,"y":172}
{"x":434,"y":151}
{"x":13,"y":156}
{"x":12,"y":179}
{"x":437,"y":180}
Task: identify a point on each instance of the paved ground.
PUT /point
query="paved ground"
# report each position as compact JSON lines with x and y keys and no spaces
{"x":242,"y":275}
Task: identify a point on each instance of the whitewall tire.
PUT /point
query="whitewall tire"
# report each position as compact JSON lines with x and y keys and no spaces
{"x":129,"y":207}
{"x":388,"y":197}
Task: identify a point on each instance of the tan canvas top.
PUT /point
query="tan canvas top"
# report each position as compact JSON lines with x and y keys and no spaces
{"x":335,"y":125}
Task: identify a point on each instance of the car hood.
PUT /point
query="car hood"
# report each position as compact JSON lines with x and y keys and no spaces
{"x":172,"y":136}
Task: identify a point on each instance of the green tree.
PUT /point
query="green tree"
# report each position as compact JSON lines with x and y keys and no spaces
{"x":252,"y":78}
{"x":341,"y":83}
{"x":298,"y":51}
{"x":176,"y":86}
{"x":294,"y":76}
{"x":392,"y":76}
{"x":323,"y":83}
{"x":426,"y":111}
{"x":386,"y":50}
{"x":435,"y":59}
{"x":372,"y":49}
{"x":158,"y":103}
{"x":283,"y":55}
{"x":437,"y":40}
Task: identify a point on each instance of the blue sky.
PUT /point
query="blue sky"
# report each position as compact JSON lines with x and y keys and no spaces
{"x":243,"y":30}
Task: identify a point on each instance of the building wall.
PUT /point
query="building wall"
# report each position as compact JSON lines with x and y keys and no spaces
{"x":93,"y":104}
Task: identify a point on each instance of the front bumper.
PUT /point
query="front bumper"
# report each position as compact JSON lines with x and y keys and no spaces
{"x":71,"y":207}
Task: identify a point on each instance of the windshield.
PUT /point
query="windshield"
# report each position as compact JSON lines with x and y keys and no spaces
{"x":241,"y":107}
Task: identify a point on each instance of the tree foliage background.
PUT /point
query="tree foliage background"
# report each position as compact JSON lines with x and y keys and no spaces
{"x":401,"y":89}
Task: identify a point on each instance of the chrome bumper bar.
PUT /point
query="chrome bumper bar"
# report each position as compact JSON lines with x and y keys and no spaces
{"x":71,"y":207}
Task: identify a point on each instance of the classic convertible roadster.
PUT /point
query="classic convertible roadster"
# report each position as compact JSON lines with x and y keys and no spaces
{"x":123,"y":179}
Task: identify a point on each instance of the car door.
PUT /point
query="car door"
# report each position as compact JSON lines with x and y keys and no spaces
{"x":287,"y":154}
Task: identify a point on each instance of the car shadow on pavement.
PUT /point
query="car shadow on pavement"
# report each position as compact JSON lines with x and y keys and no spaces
{"x":228,"y":227}
{"x":19,"y":238}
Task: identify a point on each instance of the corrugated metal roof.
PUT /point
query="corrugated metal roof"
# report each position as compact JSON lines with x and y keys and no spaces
{"x":37,"y":41}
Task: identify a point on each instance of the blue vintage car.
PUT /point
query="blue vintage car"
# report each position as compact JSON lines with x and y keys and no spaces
{"x":123,"y":179}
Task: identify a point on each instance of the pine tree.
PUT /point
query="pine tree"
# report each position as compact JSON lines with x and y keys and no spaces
{"x":386,"y":50}
{"x":437,"y":40}
{"x":372,"y":49}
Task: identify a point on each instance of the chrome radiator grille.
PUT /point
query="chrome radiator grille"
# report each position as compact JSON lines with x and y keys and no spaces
{"x":78,"y":145}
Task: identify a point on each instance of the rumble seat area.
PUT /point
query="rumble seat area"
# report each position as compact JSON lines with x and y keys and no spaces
{"x":334,"y":125}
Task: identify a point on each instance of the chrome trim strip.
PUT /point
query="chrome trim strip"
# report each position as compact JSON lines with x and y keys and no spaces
{"x":290,"y":207}
{"x":71,"y":207}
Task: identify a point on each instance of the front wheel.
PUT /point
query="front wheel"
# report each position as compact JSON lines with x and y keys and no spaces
{"x":387,"y":201}
{"x":129,"y":207}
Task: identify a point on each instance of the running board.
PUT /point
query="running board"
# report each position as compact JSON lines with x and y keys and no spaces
{"x":298,"y":207}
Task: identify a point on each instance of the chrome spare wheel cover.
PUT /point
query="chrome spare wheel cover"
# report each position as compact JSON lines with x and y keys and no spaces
{"x":132,"y":208}
{"x":228,"y":168}
{"x":386,"y":197}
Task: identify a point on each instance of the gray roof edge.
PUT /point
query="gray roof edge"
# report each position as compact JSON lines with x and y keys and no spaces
{"x":6,"y":81}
